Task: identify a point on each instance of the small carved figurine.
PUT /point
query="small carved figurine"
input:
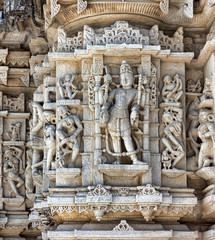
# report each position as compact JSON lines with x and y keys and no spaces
{"x":29,"y":185}
{"x":207,"y":100}
{"x":194,"y":87}
{"x":67,"y":89}
{"x":172,"y":118}
{"x":166,"y":159}
{"x":68,"y":130}
{"x":13,"y":168}
{"x":154,"y":35}
{"x":193,"y":116}
{"x":172,"y":89}
{"x":15,"y":132}
{"x":50,"y":143}
{"x":206,"y":132}
{"x":178,"y":36}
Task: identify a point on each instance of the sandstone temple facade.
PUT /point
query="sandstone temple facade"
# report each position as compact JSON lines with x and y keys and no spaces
{"x":107,"y":119}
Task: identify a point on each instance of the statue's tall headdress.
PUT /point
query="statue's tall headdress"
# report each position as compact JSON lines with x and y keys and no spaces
{"x":125,"y":67}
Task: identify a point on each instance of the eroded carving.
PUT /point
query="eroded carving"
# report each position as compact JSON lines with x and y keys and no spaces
{"x":174,"y":44}
{"x":15,"y":132}
{"x":14,"y":104}
{"x":68,"y":44}
{"x":194,"y":86}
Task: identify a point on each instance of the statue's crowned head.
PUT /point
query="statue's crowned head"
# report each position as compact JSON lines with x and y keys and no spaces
{"x":126,"y":75}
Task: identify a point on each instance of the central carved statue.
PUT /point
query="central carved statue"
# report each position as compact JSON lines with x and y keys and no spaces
{"x":115,"y":113}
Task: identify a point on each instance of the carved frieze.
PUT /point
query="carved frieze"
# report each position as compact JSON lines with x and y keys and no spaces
{"x":4,"y":74}
{"x":119,"y":33}
{"x":172,"y":121}
{"x":14,"y":104}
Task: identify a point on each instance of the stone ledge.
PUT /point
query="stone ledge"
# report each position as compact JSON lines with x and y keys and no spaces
{"x":127,"y":171}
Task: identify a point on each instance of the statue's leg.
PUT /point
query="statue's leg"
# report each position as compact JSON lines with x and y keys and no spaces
{"x":12,"y":185}
{"x":35,"y":159}
{"x":130,"y":148}
{"x":75,"y":152}
{"x":167,"y":143}
{"x":20,"y":182}
{"x":117,"y":147}
{"x":69,"y":92}
{"x":50,"y":155}
{"x":9,"y":135}
{"x":178,"y":95}
{"x":201,"y":156}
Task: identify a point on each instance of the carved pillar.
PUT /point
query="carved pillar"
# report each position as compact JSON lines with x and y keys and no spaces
{"x":97,"y":72}
{"x":146,"y":67}
{"x":154,"y":123}
{"x":88,"y":132}
{"x":173,"y":143}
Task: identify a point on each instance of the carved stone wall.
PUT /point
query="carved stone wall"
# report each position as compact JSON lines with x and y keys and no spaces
{"x":107,"y":120}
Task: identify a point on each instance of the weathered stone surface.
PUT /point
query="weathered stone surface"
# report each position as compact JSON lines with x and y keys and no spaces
{"x":107,"y":119}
